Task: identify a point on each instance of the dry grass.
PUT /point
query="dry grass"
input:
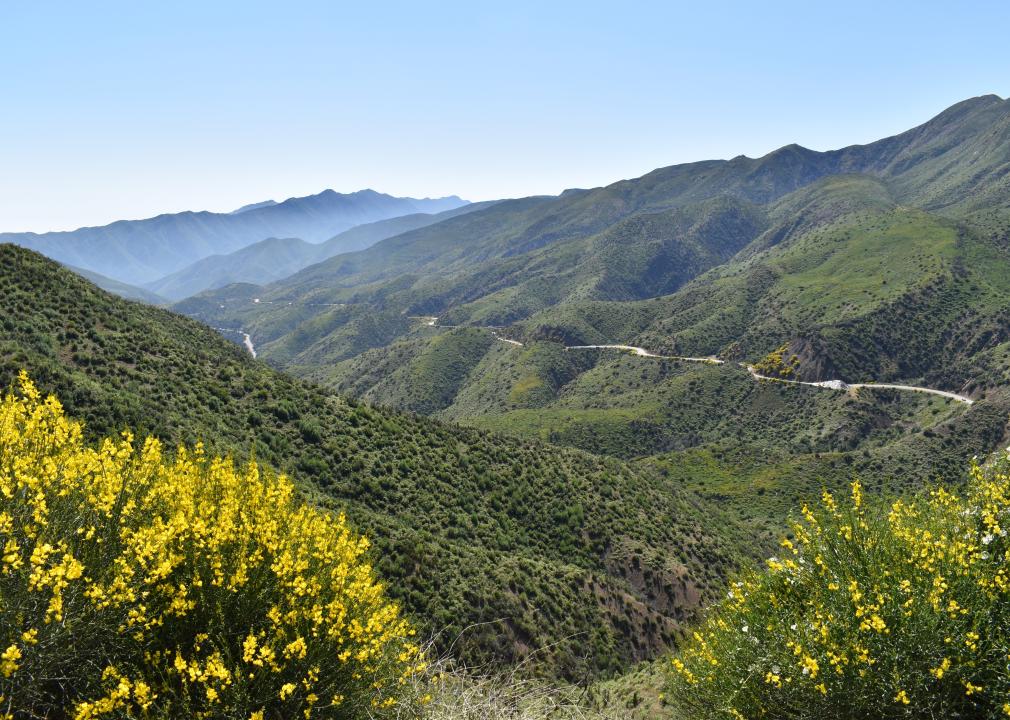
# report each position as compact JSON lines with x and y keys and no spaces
{"x":458,"y":692}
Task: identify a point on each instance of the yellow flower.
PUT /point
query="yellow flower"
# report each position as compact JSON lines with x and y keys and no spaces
{"x":857,"y":494}
{"x":9,"y":660}
{"x":810,"y":667}
{"x":902,"y":697}
{"x":876,"y":623}
{"x":939,"y":671}
{"x":175,"y":537}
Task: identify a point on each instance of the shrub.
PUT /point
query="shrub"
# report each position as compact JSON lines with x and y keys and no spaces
{"x":774,"y":363}
{"x":132,"y":585}
{"x":872,"y":612}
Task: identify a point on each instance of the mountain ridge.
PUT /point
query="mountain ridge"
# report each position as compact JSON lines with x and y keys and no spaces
{"x":523,"y":226}
{"x":275,"y":258}
{"x":140,"y":251}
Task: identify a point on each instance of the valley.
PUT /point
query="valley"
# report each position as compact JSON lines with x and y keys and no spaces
{"x":568,"y":422}
{"x":480,"y":570}
{"x":505,"y":361}
{"x":754,"y":331}
{"x":831,"y":314}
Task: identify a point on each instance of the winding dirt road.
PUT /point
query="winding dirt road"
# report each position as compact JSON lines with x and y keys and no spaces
{"x":642,"y":352}
{"x":841,"y":385}
{"x":711,"y":360}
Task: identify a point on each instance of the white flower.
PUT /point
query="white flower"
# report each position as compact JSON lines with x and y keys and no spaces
{"x":745,"y":628}
{"x":987,"y":538}
{"x":776,"y":669}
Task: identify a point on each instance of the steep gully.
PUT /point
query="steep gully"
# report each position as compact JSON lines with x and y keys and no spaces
{"x":246,"y":338}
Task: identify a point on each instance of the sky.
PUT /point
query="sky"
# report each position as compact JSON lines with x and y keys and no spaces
{"x":122,"y":110}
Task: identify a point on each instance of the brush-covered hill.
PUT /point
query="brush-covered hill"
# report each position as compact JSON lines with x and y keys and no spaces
{"x":140,"y":251}
{"x":844,"y":283}
{"x":642,"y":256}
{"x":527,"y":547}
{"x":886,"y":262}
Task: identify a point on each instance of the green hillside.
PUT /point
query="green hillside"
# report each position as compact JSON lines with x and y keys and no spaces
{"x":880,"y":263}
{"x":527,"y":547}
{"x":883,"y":263}
{"x":859,"y":288}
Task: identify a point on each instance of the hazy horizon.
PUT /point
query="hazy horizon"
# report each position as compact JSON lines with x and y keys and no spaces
{"x":127,"y":112}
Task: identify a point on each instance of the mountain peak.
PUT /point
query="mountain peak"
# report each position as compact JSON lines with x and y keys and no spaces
{"x":986,"y":99}
{"x":791,"y":148}
{"x":967,"y":108}
{"x":254,"y":206}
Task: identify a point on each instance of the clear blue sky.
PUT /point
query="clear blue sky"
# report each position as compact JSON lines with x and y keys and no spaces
{"x":126,"y":109}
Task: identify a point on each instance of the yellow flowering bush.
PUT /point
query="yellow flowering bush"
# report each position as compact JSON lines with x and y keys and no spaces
{"x":871,"y":611}
{"x":135,"y":585}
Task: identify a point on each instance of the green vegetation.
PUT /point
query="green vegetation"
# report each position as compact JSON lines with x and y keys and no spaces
{"x":888,"y":262}
{"x":839,"y":277}
{"x":873,"y":609}
{"x":843,"y":231}
{"x":775,"y":364}
{"x":844,"y":284}
{"x":529,"y":546}
{"x":420,"y":376}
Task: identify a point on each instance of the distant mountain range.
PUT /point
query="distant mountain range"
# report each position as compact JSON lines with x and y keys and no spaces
{"x":276,"y":258}
{"x":141,"y":251}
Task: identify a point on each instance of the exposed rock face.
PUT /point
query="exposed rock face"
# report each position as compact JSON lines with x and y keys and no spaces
{"x":810,"y":358}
